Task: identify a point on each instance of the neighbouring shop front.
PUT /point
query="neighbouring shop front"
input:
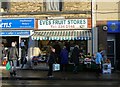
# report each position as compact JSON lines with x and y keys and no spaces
{"x":113,"y":43}
{"x":68,"y":32}
{"x":15,"y":30}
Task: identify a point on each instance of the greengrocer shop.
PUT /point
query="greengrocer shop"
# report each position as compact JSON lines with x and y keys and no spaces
{"x":64,"y":31}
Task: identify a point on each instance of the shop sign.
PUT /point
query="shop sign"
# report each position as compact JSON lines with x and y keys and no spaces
{"x":63,"y":24}
{"x":113,"y":26}
{"x":17,"y":23}
{"x":14,"y":33}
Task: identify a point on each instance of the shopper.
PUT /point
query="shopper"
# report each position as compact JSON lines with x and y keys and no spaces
{"x":36,"y":51}
{"x":64,"y":58}
{"x":98,"y":62}
{"x":75,"y":57}
{"x":51,"y":61}
{"x":57,"y":50}
{"x":13,"y":57}
{"x":36,"y":55}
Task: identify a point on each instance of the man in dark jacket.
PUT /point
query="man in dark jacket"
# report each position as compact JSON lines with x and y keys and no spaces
{"x":12,"y":57}
{"x":57,"y":50}
{"x":75,"y":58}
{"x":23,"y":56}
{"x":51,"y":61}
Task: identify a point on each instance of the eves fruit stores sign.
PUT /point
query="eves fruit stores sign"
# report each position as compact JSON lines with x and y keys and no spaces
{"x":63,"y":24}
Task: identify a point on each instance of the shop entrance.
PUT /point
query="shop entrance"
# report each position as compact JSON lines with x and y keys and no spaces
{"x":8,"y":40}
{"x":43,"y":45}
{"x":25,"y":41}
{"x":111,"y":51}
{"x":58,"y":45}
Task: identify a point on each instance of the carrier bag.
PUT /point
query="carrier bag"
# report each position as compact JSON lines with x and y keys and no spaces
{"x":8,"y":66}
{"x":56,"y":67}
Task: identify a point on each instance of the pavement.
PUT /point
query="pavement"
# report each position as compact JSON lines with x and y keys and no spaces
{"x":38,"y":74}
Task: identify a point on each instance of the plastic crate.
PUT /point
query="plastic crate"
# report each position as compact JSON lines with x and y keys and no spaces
{"x":106,"y":68}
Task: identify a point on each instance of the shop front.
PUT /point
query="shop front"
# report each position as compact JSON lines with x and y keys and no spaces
{"x":15,"y":30}
{"x":68,"y":32}
{"x":113,"y":41}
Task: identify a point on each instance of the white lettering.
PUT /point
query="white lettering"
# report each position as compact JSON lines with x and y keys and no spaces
{"x":5,"y":25}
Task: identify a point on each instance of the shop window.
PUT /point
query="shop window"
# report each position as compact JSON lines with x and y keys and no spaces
{"x":4,"y":6}
{"x":53,"y":5}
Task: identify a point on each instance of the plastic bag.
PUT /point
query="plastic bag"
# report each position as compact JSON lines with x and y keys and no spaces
{"x":56,"y":67}
{"x":8,"y":66}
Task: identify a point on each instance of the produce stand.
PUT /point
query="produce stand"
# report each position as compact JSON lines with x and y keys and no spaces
{"x":85,"y":64}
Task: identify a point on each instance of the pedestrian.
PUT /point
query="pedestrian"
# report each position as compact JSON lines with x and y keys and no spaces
{"x":13,"y":57}
{"x":75,"y":57}
{"x":36,"y":51}
{"x":64,"y":59}
{"x":51,"y":61}
{"x":23,"y":56}
{"x":57,"y":50}
{"x":98,"y":62}
{"x":104,"y":56}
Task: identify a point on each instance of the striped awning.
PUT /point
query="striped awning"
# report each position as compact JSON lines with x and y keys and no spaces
{"x":62,"y":35}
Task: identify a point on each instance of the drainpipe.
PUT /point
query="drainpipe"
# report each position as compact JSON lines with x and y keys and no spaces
{"x":0,"y":50}
{"x":94,"y":28}
{"x":0,"y":37}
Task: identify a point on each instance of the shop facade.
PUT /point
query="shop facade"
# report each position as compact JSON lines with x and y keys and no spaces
{"x":108,"y":27}
{"x":16,"y":30}
{"x":68,"y":32}
{"x":113,"y":41}
{"x":111,"y":33}
{"x":65,"y":32}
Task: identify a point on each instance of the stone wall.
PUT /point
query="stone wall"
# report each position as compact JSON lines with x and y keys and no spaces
{"x":25,"y":7}
{"x":34,"y":7}
{"x":77,"y":6}
{"x":39,"y":7}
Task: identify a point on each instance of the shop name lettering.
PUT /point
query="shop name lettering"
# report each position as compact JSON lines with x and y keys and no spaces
{"x":62,"y":22}
{"x":5,"y":25}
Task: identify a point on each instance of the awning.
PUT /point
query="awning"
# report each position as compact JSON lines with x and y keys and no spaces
{"x":62,"y":35}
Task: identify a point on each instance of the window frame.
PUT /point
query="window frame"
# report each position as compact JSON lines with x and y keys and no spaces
{"x":45,"y":4}
{"x":5,"y":5}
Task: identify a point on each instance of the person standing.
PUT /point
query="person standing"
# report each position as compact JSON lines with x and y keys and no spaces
{"x":103,"y":53}
{"x":64,"y":58}
{"x":13,"y":57}
{"x":75,"y":57}
{"x":98,"y":62}
{"x":23,"y":56}
{"x":57,"y":50}
{"x":51,"y":61}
